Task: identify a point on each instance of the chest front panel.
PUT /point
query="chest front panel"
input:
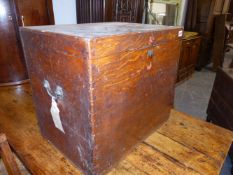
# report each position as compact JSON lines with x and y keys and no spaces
{"x":132,"y":93}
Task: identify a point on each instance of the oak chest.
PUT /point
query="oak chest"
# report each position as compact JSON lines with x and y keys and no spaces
{"x":101,"y":88}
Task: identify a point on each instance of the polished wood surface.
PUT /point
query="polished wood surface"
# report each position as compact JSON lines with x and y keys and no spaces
{"x":8,"y":157}
{"x":12,"y":66}
{"x":183,"y":145}
{"x":111,"y":74}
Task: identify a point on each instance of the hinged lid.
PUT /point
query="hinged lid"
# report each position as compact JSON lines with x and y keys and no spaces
{"x":113,"y":37}
{"x":96,"y":30}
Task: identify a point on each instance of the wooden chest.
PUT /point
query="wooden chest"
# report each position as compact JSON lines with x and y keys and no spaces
{"x":101,"y":88}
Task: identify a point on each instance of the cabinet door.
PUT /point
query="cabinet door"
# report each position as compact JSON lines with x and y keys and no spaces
{"x":89,"y":11}
{"x":34,"y":12}
{"x":185,"y":55}
{"x":194,"y":52}
{"x":191,"y":51}
{"x":124,"y":10}
{"x":184,"y":60}
{"x":12,"y":68}
{"x":109,"y":10}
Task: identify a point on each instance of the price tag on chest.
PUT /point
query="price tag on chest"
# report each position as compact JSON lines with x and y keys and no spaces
{"x":55,"y":112}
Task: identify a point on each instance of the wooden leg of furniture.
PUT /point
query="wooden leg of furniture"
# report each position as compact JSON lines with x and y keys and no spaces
{"x":8,"y":157}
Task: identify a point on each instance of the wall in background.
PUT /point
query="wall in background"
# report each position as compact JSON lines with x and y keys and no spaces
{"x":184,"y":4}
{"x":181,"y":7}
{"x":64,"y":11}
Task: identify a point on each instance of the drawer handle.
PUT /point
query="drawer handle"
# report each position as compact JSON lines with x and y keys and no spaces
{"x":58,"y":93}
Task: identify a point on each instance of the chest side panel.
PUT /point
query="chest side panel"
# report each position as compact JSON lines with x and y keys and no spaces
{"x":62,"y":62}
{"x":133,"y":93}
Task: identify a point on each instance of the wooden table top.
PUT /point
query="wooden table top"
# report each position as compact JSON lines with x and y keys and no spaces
{"x":182,"y":146}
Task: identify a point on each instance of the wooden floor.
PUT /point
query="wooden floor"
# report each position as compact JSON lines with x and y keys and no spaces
{"x":182,"y":146}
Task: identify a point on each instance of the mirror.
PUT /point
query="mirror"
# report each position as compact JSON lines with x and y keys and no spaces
{"x":162,"y":13}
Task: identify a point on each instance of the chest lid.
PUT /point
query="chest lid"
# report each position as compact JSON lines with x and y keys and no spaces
{"x":115,"y":36}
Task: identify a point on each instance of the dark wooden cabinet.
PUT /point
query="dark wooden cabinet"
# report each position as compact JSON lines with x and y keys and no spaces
{"x":12,"y":67}
{"x":218,"y":52}
{"x":16,"y":13}
{"x":200,"y":18}
{"x":220,"y":108}
{"x":188,"y":57}
{"x":126,"y":10}
{"x":109,"y":10}
{"x":33,"y":13}
{"x":89,"y":11}
{"x":206,"y":11}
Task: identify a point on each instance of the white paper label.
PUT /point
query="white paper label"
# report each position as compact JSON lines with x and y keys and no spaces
{"x":180,"y":33}
{"x":56,"y":116}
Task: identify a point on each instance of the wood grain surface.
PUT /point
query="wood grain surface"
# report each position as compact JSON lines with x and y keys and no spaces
{"x":182,"y":146}
{"x":7,"y":156}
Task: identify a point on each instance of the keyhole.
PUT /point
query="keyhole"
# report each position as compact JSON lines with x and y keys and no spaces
{"x":150,"y":53}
